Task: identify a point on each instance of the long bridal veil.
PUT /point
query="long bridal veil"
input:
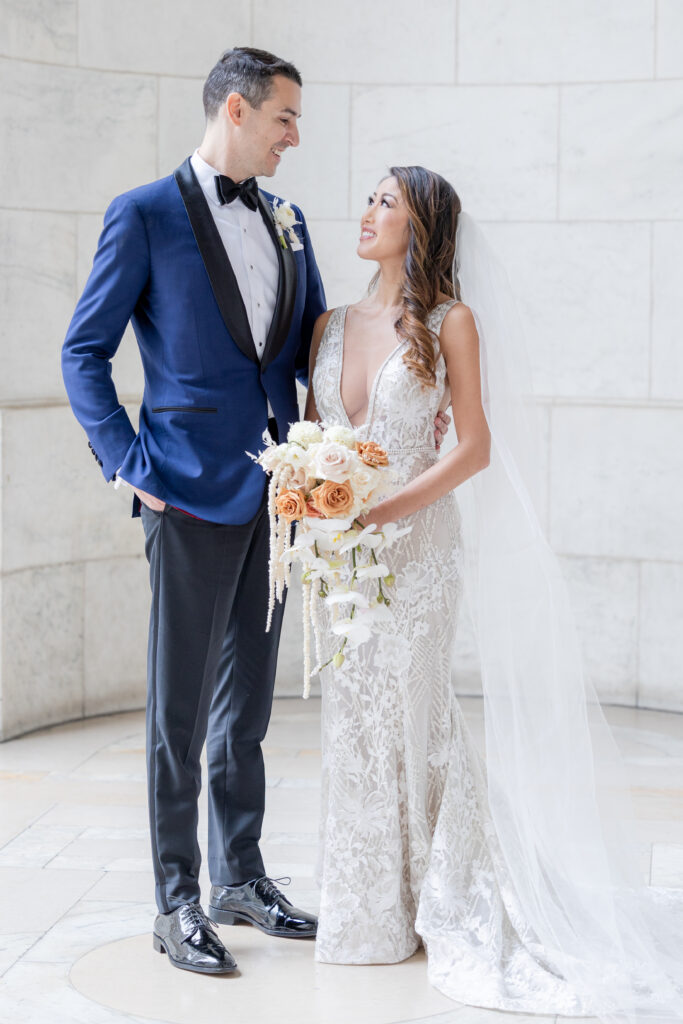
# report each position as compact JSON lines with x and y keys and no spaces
{"x":557,"y":786}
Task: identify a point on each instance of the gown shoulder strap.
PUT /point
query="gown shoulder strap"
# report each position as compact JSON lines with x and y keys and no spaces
{"x":437,"y":315}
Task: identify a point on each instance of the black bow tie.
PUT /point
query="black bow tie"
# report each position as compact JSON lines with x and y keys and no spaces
{"x":227,"y":190}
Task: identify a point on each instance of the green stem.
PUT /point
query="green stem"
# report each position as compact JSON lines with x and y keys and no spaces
{"x":330,"y":660}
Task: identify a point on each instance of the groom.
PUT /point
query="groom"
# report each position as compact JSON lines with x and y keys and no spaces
{"x":223,"y":297}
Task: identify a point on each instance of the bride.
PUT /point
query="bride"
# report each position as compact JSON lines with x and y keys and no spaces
{"x":516,"y":875}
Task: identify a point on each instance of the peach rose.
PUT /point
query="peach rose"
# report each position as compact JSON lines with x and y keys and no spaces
{"x":291,"y":504}
{"x":332,"y":499}
{"x":312,"y":511}
{"x":371,"y":454}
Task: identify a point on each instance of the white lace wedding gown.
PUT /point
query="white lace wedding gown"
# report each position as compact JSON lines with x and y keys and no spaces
{"x":408,"y":849}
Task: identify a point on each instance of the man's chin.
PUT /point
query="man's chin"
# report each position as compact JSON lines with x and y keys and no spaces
{"x":270,"y":169}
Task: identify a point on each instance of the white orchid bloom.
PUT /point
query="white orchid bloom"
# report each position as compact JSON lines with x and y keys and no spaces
{"x":327,"y":527}
{"x":355,"y":631}
{"x":390,"y":533}
{"x":372,"y":572}
{"x":358,"y":536}
{"x":304,"y":539}
{"x":375,"y":613}
{"x":343,"y":596}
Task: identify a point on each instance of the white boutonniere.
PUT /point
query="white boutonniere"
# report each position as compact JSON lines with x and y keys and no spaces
{"x":285,"y":219}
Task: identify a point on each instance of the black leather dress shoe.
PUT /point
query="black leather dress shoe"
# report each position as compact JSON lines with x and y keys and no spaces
{"x":261,"y":903}
{"x":191,"y":941}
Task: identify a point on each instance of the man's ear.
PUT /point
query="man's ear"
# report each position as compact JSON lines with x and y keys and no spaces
{"x":235,"y":108}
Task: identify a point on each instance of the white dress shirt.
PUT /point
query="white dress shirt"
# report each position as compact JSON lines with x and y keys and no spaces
{"x":250,"y":249}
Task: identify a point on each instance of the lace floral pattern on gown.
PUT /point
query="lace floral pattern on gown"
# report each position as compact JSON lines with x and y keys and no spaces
{"x":408,"y":851}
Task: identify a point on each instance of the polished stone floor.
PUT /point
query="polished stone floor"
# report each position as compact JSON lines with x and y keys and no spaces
{"x":77,"y":905}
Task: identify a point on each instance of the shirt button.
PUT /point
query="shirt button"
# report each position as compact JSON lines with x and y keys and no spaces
{"x":245,"y":230}
{"x":258,"y":304}
{"x":251,"y":266}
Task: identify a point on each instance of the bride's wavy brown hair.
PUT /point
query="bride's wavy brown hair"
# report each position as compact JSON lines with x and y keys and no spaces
{"x":433,"y":206}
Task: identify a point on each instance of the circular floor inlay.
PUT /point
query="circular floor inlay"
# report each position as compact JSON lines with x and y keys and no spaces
{"x":278,"y":982}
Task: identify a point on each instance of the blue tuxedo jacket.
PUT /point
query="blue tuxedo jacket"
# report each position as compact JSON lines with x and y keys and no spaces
{"x":160,"y":263}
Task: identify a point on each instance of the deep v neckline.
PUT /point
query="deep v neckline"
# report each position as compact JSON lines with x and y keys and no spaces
{"x":375,"y":382}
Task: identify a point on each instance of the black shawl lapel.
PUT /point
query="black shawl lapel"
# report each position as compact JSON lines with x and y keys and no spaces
{"x":286,"y":289}
{"x":218,"y":268}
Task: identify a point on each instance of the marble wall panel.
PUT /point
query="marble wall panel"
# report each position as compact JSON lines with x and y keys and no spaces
{"x":158,"y":37}
{"x":181,"y":121}
{"x":36,"y":292}
{"x":365,"y":41}
{"x":621,"y":150}
{"x":667,"y":311}
{"x":345,"y":275}
{"x":604,"y":596}
{"x":315,"y":175}
{"x":56,"y":506}
{"x":616,"y":486}
{"x":80,"y":137}
{"x":542,"y":495}
{"x":669,"y":39}
{"x":42,"y":30}
{"x":117,"y":600}
{"x":42,"y":647}
{"x":126,"y":364}
{"x":552,"y":41}
{"x":661,"y":636}
{"x":497,"y":146}
{"x":583,"y":292}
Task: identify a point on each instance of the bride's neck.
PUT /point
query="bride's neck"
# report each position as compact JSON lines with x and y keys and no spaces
{"x":388,"y":289}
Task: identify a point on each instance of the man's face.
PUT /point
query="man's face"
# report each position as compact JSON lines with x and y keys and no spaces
{"x":269,"y":130}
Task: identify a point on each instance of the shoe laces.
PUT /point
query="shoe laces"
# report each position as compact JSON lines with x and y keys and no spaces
{"x":192,"y":916}
{"x":268,"y":890}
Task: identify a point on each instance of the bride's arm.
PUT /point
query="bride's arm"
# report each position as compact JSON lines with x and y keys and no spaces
{"x":311,"y":413}
{"x":460,"y":347}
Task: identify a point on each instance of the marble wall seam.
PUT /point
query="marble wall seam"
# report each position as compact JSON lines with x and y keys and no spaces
{"x":638,"y":644}
{"x":651,"y":310}
{"x":558,"y":157}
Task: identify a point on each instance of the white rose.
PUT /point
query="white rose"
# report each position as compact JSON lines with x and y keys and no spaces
{"x":272,"y":457}
{"x":332,"y":461}
{"x":342,"y":435}
{"x":363,"y":480}
{"x":295,"y":476}
{"x":304,"y":433}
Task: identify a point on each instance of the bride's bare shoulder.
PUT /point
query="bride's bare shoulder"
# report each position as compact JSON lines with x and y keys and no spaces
{"x":458,"y":326}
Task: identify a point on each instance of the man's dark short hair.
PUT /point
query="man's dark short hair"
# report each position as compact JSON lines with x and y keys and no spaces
{"x":247,"y":71}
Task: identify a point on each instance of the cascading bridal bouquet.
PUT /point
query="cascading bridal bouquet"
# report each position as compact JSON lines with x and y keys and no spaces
{"x":323,"y":478}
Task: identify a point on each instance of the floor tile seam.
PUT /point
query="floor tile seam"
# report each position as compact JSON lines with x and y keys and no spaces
{"x":29,"y":826}
{"x":54,"y":924}
{"x":99,"y":750}
{"x":65,"y":847}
